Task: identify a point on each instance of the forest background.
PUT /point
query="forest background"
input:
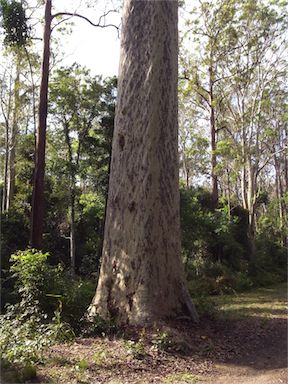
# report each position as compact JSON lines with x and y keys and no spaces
{"x":233,"y":141}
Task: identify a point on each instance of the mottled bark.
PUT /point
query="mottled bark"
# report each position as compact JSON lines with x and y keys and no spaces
{"x":38,"y":188}
{"x":142,"y":277}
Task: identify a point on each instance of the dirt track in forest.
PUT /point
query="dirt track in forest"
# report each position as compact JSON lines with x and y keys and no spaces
{"x":247,"y":343}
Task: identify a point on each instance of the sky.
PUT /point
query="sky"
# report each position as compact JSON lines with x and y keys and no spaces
{"x":93,"y":47}
{"x":96,"y":48}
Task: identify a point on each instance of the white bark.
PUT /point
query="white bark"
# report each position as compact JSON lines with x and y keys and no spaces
{"x":141,"y":277}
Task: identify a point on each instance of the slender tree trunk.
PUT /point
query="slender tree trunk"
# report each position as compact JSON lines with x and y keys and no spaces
{"x":72,"y":169}
{"x":228,"y":192}
{"x":7,"y":140}
{"x":186,"y":172}
{"x":244,"y":172}
{"x":280,"y":195}
{"x":286,"y":159}
{"x":187,"y":178}
{"x":215,"y":192}
{"x":72,"y":233}
{"x":251,"y":201}
{"x":33,"y":90}
{"x":142,"y":276}
{"x":4,"y":193}
{"x":13,"y":138}
{"x":38,"y":190}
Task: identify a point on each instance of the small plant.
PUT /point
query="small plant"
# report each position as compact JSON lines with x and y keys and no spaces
{"x":98,"y":327}
{"x":100,"y":357}
{"x":135,"y":348}
{"x":60,"y":330}
{"x":185,"y":377}
{"x":82,"y":365}
{"x":162,"y":341}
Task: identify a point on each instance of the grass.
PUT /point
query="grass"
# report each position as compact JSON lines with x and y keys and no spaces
{"x":267,"y":303}
{"x":181,"y":377}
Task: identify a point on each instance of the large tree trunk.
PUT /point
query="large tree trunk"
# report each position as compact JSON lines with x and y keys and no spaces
{"x":142,"y":276}
{"x":38,"y":190}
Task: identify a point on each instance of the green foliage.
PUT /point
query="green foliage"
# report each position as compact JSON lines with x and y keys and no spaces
{"x":29,"y":268}
{"x":211,"y":235}
{"x":162,"y":341}
{"x":51,"y":284}
{"x":25,"y":330}
{"x":24,"y":334}
{"x":82,"y":365}
{"x":216,"y":248}
{"x":99,"y":327}
{"x":14,"y":235}
{"x":14,"y":23}
{"x":82,"y":111}
{"x":205,"y":306}
{"x":93,"y":205}
{"x":62,"y":331}
{"x":99,"y":357}
{"x":242,"y":282}
{"x":135,"y":348}
{"x":76,"y":297}
{"x":181,"y":377}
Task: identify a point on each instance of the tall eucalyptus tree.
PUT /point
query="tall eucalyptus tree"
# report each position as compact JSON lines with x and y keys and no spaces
{"x":142,"y":277}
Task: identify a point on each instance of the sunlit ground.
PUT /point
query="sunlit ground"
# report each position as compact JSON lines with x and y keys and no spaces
{"x":263,"y":302}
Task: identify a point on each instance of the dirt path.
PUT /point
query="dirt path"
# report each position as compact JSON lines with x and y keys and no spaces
{"x":262,"y":361}
{"x":247,"y":344}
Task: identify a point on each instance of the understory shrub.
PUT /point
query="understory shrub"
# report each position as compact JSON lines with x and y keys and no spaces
{"x":32,"y":275}
{"x":25,"y":329}
{"x":217,"y":251}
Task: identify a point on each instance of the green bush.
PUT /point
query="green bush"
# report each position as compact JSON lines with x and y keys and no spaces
{"x":38,"y":280}
{"x":25,"y":330}
{"x":212,"y":235}
{"x":205,"y":306}
{"x":242,"y":282}
{"x":264,"y":278}
{"x":25,"y":334}
{"x":76,"y":297}
{"x":98,"y":327}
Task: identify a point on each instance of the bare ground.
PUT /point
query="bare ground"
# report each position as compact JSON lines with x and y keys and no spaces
{"x":246,"y":343}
